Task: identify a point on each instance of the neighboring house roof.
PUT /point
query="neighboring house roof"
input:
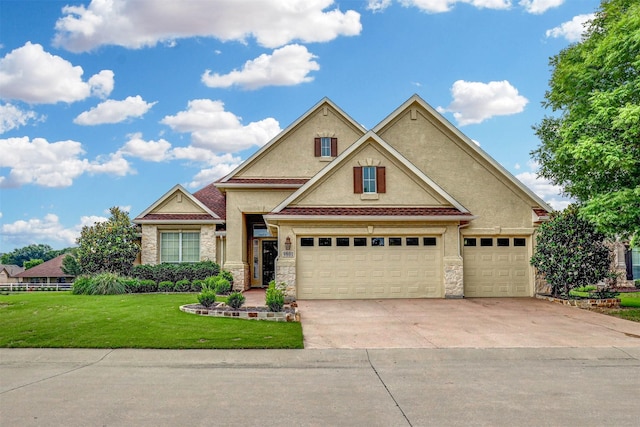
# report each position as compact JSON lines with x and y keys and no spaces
{"x":11,"y":269}
{"x":389,"y":149}
{"x":473,"y":146}
{"x":209,"y":199}
{"x":257,"y":154}
{"x":51,"y":268}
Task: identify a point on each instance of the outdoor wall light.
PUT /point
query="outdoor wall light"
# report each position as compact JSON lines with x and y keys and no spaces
{"x":287,"y":243}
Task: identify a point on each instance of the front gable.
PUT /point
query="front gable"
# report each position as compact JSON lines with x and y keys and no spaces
{"x":299,"y":144}
{"x":405,"y":186}
{"x":180,"y":206}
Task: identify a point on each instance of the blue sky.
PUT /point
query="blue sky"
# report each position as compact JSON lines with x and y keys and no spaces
{"x":112,"y":102}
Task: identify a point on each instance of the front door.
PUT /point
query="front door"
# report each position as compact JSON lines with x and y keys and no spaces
{"x":269,"y":254}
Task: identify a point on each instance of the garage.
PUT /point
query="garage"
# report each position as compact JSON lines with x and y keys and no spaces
{"x":496,"y":267}
{"x":365,"y":267}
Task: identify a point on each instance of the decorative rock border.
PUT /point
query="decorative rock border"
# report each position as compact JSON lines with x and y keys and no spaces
{"x":249,"y":313}
{"x":584,"y":302}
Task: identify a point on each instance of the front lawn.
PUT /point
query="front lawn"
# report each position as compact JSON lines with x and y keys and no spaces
{"x":56,"y":319}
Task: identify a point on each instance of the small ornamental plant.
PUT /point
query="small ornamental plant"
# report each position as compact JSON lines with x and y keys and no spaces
{"x":235,"y":300}
{"x":207,"y":298}
{"x":274,"y":297}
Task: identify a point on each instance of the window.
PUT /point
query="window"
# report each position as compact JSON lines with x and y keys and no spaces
{"x":519,"y":241}
{"x":326,"y":147}
{"x":342,"y":241}
{"x":412,"y":241}
{"x":429,"y":241}
{"x":359,"y":241}
{"x":306,"y":241}
{"x":178,"y":247}
{"x":369,"y":179}
{"x":395,"y":241}
{"x":486,"y":241}
{"x":502,"y":241}
{"x":324,"y":241}
{"x":377,"y":241}
{"x":470,"y":241}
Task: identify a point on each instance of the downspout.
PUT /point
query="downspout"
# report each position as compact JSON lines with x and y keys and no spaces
{"x":460,"y":227}
{"x":275,"y":262}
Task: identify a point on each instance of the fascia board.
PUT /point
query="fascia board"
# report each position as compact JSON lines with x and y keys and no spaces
{"x":360,"y":218}
{"x":178,"y":221}
{"x":288,"y":129}
{"x":443,"y":120}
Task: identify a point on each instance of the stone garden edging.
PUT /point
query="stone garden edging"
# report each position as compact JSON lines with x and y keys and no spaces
{"x":249,"y":313}
{"x":584,"y":302}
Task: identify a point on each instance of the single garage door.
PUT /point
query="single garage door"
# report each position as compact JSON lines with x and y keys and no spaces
{"x":496,"y":267}
{"x":369,"y":267}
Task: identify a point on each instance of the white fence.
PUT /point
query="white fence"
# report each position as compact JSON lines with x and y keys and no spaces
{"x":12,"y":287}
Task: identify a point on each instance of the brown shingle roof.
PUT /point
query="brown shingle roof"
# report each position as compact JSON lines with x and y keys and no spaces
{"x":177,"y":217}
{"x":51,"y":268}
{"x":285,"y":181}
{"x":212,"y":198}
{"x":12,"y":270}
{"x":371,"y":211}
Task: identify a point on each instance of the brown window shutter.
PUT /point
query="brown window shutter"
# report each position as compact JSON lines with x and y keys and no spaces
{"x":317,"y":147}
{"x":357,"y":179}
{"x":381,"y":179}
{"x":334,"y":147}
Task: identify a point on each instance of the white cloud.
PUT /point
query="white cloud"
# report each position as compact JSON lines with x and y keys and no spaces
{"x":139,"y":23}
{"x":12,"y":117}
{"x":287,"y":66}
{"x":154,"y":151}
{"x":378,"y":5}
{"x":34,"y":76}
{"x":439,"y":6}
{"x":54,"y":164}
{"x":552,"y":194}
{"x":112,"y":111}
{"x":572,"y":30}
{"x":47,"y":229}
{"x":539,"y":6}
{"x":207,"y":176}
{"x":218,"y":130}
{"x":475,"y":102}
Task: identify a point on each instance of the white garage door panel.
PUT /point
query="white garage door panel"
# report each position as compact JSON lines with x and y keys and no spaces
{"x":496,"y":271}
{"x":354,"y":272}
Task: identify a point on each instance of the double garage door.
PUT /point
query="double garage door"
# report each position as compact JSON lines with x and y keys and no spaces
{"x":496,"y":267}
{"x":364,"y":267}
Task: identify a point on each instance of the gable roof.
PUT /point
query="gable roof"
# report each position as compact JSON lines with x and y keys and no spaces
{"x":351,"y":149}
{"x":209,"y":199}
{"x":324,"y":101}
{"x":11,"y":269}
{"x":473,"y":146}
{"x":51,"y":268}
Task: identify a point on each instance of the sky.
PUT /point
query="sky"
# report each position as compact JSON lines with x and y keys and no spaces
{"x":113,"y":102}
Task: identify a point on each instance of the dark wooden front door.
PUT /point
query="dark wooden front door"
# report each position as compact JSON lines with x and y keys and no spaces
{"x":269,"y":254}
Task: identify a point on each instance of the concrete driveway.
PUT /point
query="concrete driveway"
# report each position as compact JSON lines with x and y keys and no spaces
{"x":470,"y":323}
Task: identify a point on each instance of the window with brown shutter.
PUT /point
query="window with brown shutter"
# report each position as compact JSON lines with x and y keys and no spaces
{"x":381,"y":178}
{"x":357,"y":179}
{"x":317,"y":143}
{"x":334,"y":147}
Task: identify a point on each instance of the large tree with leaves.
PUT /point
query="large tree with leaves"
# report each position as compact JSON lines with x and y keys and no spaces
{"x":591,"y":145}
{"x":109,"y":246}
{"x":21,"y":255}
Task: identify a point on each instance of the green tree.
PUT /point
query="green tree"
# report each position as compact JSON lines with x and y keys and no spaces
{"x":591,"y":145}
{"x":21,"y":255}
{"x":570,"y":252}
{"x":109,"y":246}
{"x":32,"y":263}
{"x":70,"y":266}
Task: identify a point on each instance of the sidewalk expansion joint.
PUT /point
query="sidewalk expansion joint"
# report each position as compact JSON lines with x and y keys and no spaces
{"x":387,"y":389}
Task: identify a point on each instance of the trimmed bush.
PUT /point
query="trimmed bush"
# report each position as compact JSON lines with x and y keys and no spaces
{"x":175,"y":272}
{"x":81,"y":285}
{"x":227,"y":275}
{"x":207,"y":298}
{"x":274,"y":297}
{"x":147,"y":286}
{"x":107,"y":284}
{"x":217,"y":284}
{"x":165,"y":286}
{"x":131,"y":285}
{"x":183,"y":285}
{"x":196,"y":285}
{"x":235,"y":300}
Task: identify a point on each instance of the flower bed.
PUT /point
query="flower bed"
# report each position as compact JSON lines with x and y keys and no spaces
{"x":288,"y":314}
{"x":584,"y":302}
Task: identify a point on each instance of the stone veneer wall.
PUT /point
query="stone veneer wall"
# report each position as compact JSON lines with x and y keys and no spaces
{"x":149,"y":244}
{"x":286,"y":273}
{"x":453,"y":277}
{"x":240,"y":272}
{"x":208,"y":243}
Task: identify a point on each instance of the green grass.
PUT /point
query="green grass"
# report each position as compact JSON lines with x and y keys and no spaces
{"x":63,"y":320}
{"x":632,"y":314}
{"x":629,"y":299}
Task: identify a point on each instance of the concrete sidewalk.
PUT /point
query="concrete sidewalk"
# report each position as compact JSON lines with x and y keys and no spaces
{"x":419,"y":387}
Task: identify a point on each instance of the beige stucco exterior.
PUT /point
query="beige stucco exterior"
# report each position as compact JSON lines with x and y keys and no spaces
{"x":440,"y":188}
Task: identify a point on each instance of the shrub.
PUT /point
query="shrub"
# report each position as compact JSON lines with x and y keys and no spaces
{"x":235,"y":300}
{"x":131,"y":285}
{"x":207,"y":298}
{"x":183,"y":285}
{"x":637,"y":283}
{"x":148,"y":286}
{"x":217,"y":284}
{"x":274,"y":297}
{"x":227,"y":275}
{"x":588,"y":288}
{"x":175,"y":272}
{"x":107,"y":284}
{"x":81,"y":285}
{"x":196,"y":285}
{"x":165,"y":286}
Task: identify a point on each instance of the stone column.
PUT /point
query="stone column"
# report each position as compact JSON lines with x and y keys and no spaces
{"x":208,"y":243}
{"x":453,"y":277}
{"x":240,"y":272}
{"x":286,"y":273}
{"x":149,"y":244}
